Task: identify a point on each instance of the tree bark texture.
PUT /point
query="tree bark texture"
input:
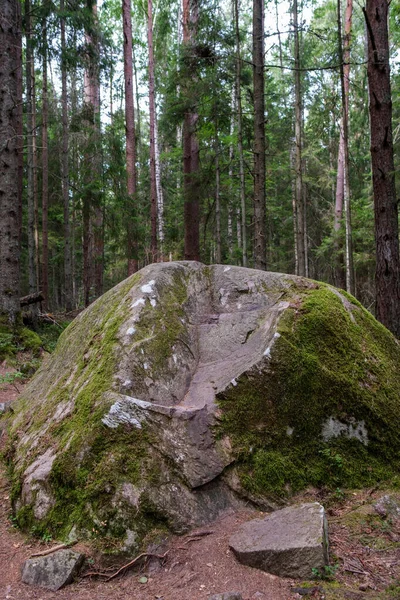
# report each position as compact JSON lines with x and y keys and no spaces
{"x":387,"y":274}
{"x":259,"y":137}
{"x":152,"y":111}
{"x":10,"y":147}
{"x":130,"y":140}
{"x":191,"y":184}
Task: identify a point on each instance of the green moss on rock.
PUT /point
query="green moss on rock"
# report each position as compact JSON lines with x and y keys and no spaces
{"x":332,"y":359}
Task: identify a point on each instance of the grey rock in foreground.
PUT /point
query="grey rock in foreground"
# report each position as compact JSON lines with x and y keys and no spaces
{"x":53,"y":571}
{"x":290,"y":542}
{"x":387,"y":507}
{"x":226,"y":596}
{"x":5,"y":407}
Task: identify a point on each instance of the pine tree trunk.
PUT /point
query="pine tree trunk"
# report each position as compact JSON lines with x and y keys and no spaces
{"x":342,"y":181}
{"x":31,"y":172}
{"x":45,"y":175}
{"x":68,"y":273}
{"x":10,"y":148}
{"x":160,"y":195}
{"x":93,"y":244}
{"x":344,"y":84}
{"x":387,"y":275}
{"x":191,"y":185}
{"x":231,"y":202}
{"x":218,"y":249}
{"x":259,"y":137}
{"x":299,"y":197}
{"x":241,"y":226}
{"x":20,"y":130}
{"x":152,"y":111}
{"x":130,"y":139}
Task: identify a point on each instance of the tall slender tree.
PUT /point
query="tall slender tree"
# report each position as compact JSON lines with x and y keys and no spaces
{"x":299,"y":207}
{"x":387,"y":274}
{"x":152,"y":112}
{"x":92,"y":205}
{"x":241,"y":224}
{"x":33,"y":274}
{"x":10,"y":147}
{"x":130,"y":139}
{"x":68,"y":271}
{"x":45,"y":171}
{"x":260,"y":224}
{"x":343,"y":179}
{"x":190,"y":17}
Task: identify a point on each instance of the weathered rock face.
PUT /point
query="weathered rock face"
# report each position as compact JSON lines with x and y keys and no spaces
{"x":290,"y":542}
{"x":186,"y":387}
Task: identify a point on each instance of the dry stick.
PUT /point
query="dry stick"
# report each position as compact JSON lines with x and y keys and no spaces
{"x":54,"y":549}
{"x":124,"y":567}
{"x":201,"y":533}
{"x":132,"y":562}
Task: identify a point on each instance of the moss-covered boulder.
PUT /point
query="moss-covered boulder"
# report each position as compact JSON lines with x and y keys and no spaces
{"x":187,"y":387}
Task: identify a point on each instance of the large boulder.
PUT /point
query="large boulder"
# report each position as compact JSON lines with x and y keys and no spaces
{"x":187,"y":387}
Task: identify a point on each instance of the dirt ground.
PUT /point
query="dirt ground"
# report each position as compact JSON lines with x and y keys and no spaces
{"x":364,"y":549}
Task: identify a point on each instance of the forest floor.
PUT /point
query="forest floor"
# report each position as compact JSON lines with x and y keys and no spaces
{"x":364,"y":550}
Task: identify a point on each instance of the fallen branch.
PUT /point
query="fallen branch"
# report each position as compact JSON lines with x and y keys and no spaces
{"x":53,"y":549}
{"x":125,"y":567}
{"x":31,"y":299}
{"x":199,"y":534}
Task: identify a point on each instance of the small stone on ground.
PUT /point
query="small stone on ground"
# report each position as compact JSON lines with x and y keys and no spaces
{"x":290,"y":542}
{"x":53,"y":571}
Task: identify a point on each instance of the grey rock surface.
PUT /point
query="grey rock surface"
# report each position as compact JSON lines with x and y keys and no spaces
{"x":226,"y":596}
{"x":5,"y":407}
{"x":289,"y":542}
{"x":140,"y":406}
{"x":184,"y":333}
{"x":53,"y":571}
{"x":388,"y":507}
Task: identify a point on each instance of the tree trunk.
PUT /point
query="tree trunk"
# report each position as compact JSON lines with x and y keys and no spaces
{"x":218,"y":250}
{"x":344,"y":84}
{"x":231,"y":202}
{"x":31,"y":159}
{"x":152,"y":111}
{"x":160,"y":195}
{"x":45,"y":175}
{"x":20,"y":130}
{"x":92,"y":206}
{"x":10,"y":147}
{"x":130,"y":139}
{"x":241,"y":229}
{"x":343,"y":184}
{"x":298,"y":167}
{"x":190,"y":14}
{"x":68,"y":275}
{"x":259,"y":137}
{"x":387,"y":275}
